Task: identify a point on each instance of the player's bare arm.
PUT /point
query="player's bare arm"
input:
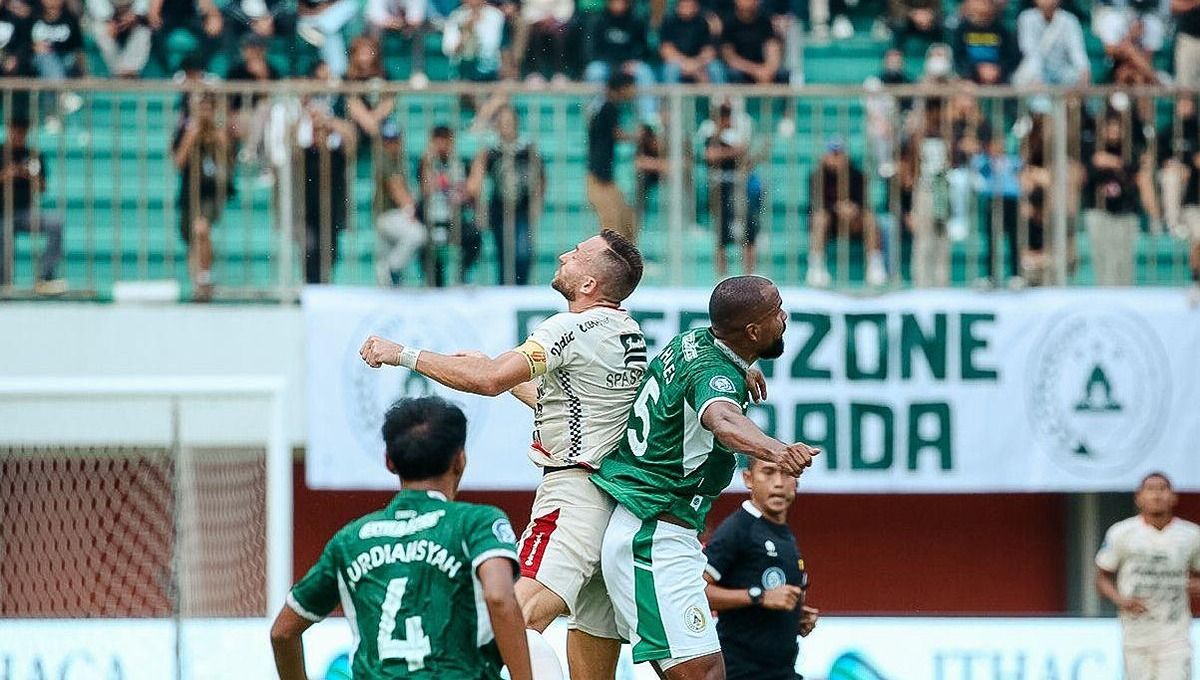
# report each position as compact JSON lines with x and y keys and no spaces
{"x":808,"y":620}
{"x":784,"y":598}
{"x":1106,"y":583}
{"x":738,"y":433}
{"x":287,"y":645}
{"x":1194,"y":584}
{"x":466,"y":372}
{"x":496,"y":577}
{"x":526,"y":393}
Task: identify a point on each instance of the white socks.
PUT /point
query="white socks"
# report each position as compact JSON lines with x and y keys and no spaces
{"x":542,"y":659}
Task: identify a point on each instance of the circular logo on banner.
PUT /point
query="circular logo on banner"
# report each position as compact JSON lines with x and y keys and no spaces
{"x":773,"y":578}
{"x":370,"y":391}
{"x":1098,"y":389}
{"x":694,"y":619}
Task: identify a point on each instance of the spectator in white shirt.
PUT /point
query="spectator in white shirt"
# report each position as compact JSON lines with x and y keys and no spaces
{"x":120,"y":31}
{"x":406,"y":19}
{"x":1052,"y":49}
{"x":472,"y":39}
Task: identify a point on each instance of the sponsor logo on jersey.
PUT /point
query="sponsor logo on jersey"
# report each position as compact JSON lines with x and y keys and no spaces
{"x":503,"y":531}
{"x":1097,"y":391}
{"x":400,"y":528}
{"x":722,"y":383}
{"x":773,"y":578}
{"x":561,"y":343}
{"x":694,"y":619}
{"x":770,"y":548}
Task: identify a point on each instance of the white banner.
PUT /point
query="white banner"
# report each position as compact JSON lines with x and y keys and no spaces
{"x":918,"y":391}
{"x":841,"y":648}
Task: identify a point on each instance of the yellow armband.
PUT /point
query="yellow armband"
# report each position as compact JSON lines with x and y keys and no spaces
{"x":535,"y":354}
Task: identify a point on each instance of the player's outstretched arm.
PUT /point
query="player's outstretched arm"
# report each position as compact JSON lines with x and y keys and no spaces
{"x":472,"y":372}
{"x":508,"y":624}
{"x":287,"y":645}
{"x":526,"y":393}
{"x":738,"y":433}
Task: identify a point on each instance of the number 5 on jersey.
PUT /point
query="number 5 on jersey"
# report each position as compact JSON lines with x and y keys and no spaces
{"x":639,"y":441}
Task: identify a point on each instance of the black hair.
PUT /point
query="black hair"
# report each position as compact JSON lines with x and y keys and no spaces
{"x":1156,"y":475}
{"x":442,"y":132}
{"x":619,"y":80}
{"x":423,"y":436}
{"x":622,"y":265}
{"x":737,"y":301}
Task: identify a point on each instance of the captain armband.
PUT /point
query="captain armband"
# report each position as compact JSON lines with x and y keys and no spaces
{"x":535,"y":354}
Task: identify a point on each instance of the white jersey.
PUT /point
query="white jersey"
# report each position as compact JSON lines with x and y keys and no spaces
{"x":1154,"y":566}
{"x":594,"y":362}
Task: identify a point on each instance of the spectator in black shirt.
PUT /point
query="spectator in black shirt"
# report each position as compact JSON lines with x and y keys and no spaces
{"x":735,"y":190}
{"x":1111,"y":200}
{"x":618,"y":41}
{"x":687,"y":46}
{"x":23,"y":176}
{"x":15,"y":48}
{"x":749,"y":46}
{"x":203,"y":154}
{"x":757,"y":582}
{"x":839,"y":205}
{"x":200,"y":18}
{"x":985,"y":50}
{"x":604,"y":131}
{"x":518,"y":192}
{"x":367,"y":111}
{"x":446,"y":207}
{"x":57,"y":41}
{"x":326,"y":143}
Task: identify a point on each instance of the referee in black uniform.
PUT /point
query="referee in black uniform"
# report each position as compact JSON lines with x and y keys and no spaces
{"x":756,"y":581}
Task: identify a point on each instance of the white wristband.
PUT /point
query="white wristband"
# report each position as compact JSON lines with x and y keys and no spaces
{"x":408,"y":357}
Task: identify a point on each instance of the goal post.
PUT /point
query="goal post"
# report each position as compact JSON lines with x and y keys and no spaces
{"x":144,"y":497}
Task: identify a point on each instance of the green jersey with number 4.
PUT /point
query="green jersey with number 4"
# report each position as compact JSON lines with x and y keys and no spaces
{"x":406,"y":579}
{"x":667,"y":462}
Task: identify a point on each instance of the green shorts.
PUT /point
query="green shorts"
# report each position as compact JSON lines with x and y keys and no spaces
{"x":655,"y":576}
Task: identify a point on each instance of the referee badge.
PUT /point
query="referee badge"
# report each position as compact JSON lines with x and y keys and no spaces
{"x":773,"y":578}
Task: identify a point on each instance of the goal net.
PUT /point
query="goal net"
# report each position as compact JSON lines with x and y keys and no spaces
{"x":143,"y":498}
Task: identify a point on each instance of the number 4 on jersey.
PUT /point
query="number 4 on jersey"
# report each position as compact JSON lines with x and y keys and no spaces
{"x":416,"y":646}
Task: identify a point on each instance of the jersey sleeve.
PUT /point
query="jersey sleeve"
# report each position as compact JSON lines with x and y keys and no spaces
{"x":722,"y":549}
{"x":548,"y":344}
{"x":711,"y":383}
{"x":316,"y":595}
{"x":1109,"y":556}
{"x":489,"y":534}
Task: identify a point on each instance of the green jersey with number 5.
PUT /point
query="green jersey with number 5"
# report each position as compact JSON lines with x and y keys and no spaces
{"x":406,"y":579}
{"x":667,"y":462}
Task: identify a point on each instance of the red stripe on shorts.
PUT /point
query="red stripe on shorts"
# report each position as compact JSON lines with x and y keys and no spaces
{"x":533,"y":548}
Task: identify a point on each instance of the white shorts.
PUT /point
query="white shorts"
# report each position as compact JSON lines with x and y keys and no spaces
{"x":655,"y":575}
{"x":1165,"y":662}
{"x":560,"y":548}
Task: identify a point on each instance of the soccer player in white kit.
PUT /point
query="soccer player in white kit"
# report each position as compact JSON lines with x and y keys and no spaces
{"x":1149,"y":566}
{"x":587,"y":363}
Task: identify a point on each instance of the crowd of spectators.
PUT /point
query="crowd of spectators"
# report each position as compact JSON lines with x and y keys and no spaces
{"x":938,"y":159}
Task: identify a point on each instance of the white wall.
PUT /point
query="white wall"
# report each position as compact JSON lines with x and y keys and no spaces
{"x":68,"y":339}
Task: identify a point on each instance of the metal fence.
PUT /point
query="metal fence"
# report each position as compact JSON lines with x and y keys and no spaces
{"x":241,"y":192}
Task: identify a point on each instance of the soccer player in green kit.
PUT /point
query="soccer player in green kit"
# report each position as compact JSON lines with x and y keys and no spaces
{"x":427,"y":582}
{"x":688,"y":419}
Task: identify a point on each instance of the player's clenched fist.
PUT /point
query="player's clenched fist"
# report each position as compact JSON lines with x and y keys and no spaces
{"x":784,"y":598}
{"x":377,"y":351}
{"x":795,"y":457}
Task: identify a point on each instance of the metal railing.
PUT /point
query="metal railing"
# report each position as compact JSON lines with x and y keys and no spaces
{"x":246,"y":192}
